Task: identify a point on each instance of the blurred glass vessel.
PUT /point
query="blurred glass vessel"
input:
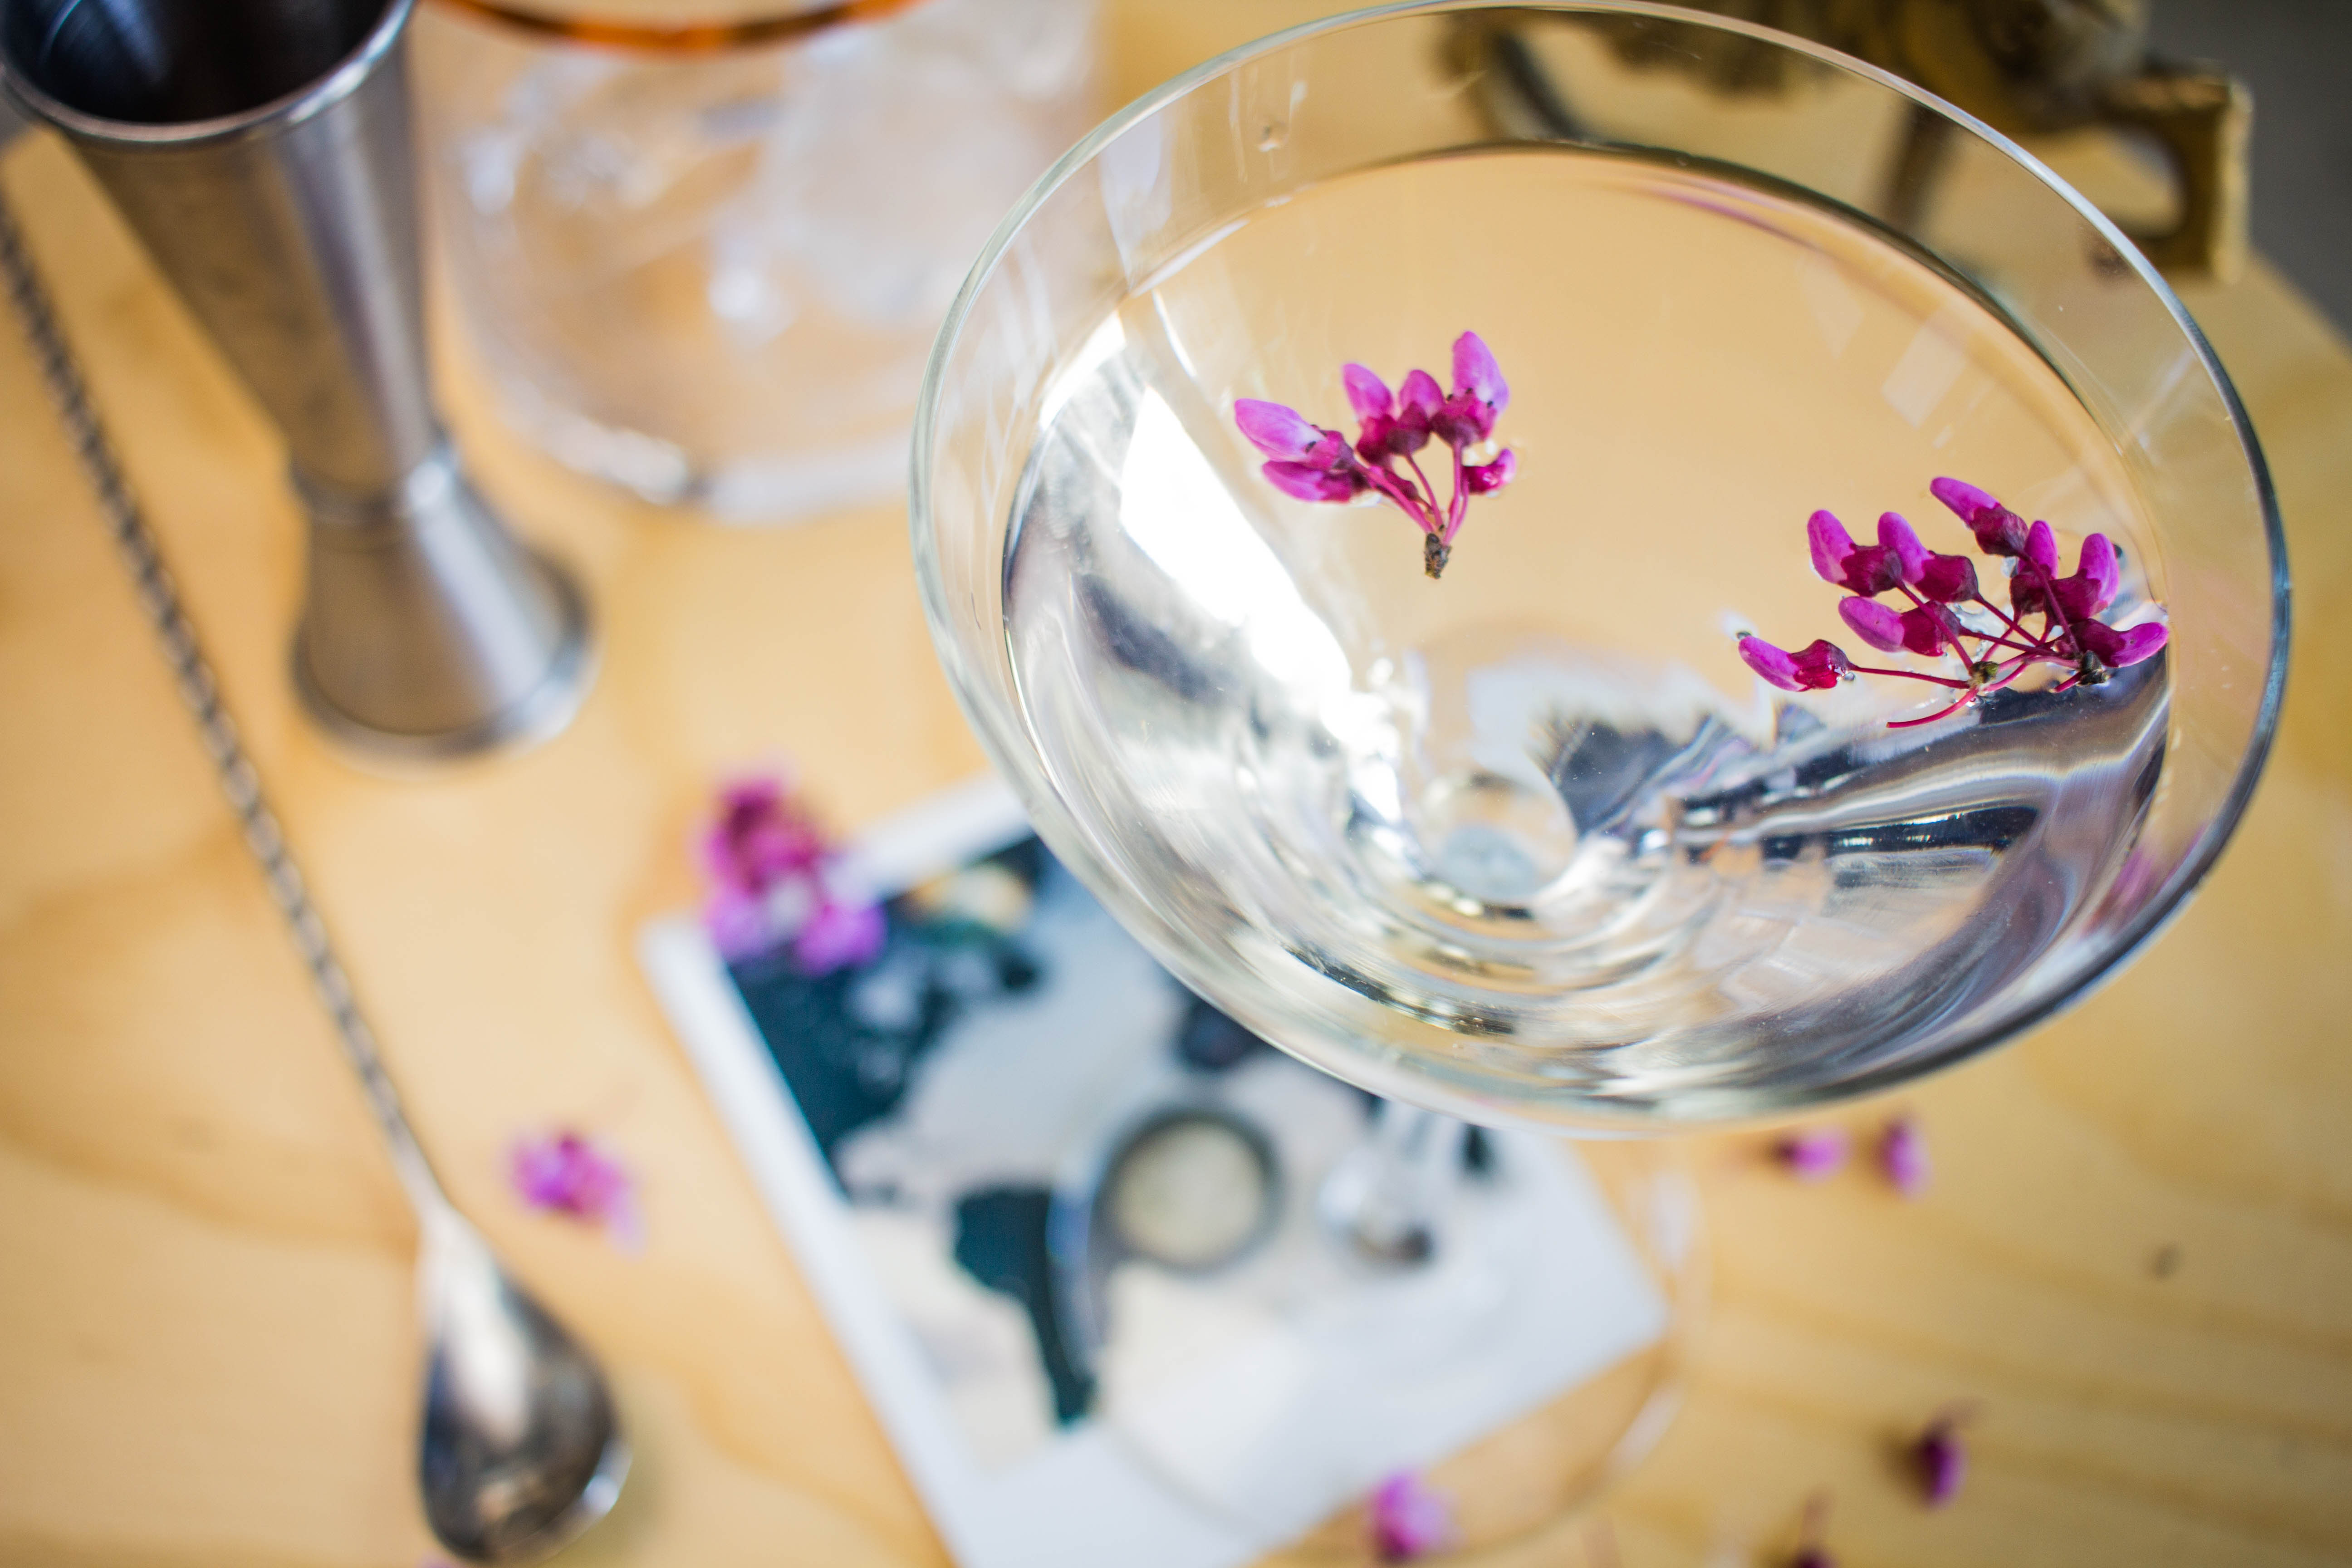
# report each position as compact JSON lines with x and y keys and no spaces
{"x":1527,"y":844}
{"x":703,"y":262}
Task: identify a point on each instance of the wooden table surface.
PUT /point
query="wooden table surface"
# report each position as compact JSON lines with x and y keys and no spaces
{"x":207,"y":1351}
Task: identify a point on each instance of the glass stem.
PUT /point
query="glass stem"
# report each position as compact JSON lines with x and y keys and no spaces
{"x":1387,"y":1197}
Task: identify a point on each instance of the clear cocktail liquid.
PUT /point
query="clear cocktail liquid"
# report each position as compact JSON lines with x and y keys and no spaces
{"x":1541,"y":803}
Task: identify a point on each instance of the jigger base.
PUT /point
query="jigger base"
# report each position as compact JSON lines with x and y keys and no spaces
{"x":538,"y":715}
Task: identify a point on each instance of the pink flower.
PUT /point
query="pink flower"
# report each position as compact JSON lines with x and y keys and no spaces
{"x":564,"y":1173}
{"x":1479,"y":394}
{"x":2098,"y":577}
{"x":1410,"y":1517}
{"x":1309,"y":463}
{"x":1896,"y":535}
{"x":1304,"y":481}
{"x":2115,"y":648}
{"x":1368,"y":395}
{"x":1277,"y":431}
{"x":1485,"y":478}
{"x":1816,"y":667}
{"x":1903,"y":1156}
{"x":1813,"y":1153}
{"x":1872,"y":622}
{"x":1926,"y":631}
{"x":1865,"y":569}
{"x":1999,"y":530}
{"x":2041,"y":548}
{"x":1949,"y":579}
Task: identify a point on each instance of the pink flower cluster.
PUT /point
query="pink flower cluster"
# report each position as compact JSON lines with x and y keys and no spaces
{"x":1947,"y":613}
{"x":768,"y":864}
{"x":1311,"y":463}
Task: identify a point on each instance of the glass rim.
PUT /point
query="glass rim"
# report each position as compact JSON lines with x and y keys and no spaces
{"x":755,"y":29}
{"x":2185,"y":878}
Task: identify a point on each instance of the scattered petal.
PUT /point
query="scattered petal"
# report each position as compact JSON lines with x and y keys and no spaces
{"x":768,"y":865}
{"x":564,"y":1173}
{"x":1274,"y":429}
{"x":1811,"y":1552}
{"x":1942,"y":1459}
{"x":1872,"y":622}
{"x":1903,"y":1156}
{"x":1410,"y":1517}
{"x":1897,"y":535}
{"x":1813,"y":1153}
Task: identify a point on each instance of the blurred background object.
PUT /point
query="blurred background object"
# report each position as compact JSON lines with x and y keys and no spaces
{"x":705,"y":261}
{"x":2031,"y":68}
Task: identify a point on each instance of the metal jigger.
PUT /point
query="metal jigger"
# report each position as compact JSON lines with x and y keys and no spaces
{"x":261,"y":150}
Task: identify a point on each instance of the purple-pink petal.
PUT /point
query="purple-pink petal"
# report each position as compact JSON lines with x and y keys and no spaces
{"x":1826,"y":537}
{"x":1872,"y":622}
{"x":1903,"y":1156}
{"x":1949,"y":579}
{"x":1965,"y":499}
{"x":1367,"y":394}
{"x":1274,"y":429}
{"x":2041,"y":548}
{"x":1304,"y":481}
{"x":1926,"y":632}
{"x":2138,"y":643}
{"x":1485,"y":478}
{"x":2100,"y":573}
{"x":838,"y":936}
{"x":1896,"y":535}
{"x":1813,"y":1153}
{"x":1410,"y":1517}
{"x":1476,"y":373}
{"x":1773,"y":664}
{"x":1419,"y":399}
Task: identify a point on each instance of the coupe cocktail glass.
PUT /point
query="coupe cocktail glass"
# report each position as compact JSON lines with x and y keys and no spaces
{"x":1531,"y":845}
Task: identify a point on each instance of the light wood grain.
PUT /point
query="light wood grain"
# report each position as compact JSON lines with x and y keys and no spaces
{"x":206,"y":1353}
